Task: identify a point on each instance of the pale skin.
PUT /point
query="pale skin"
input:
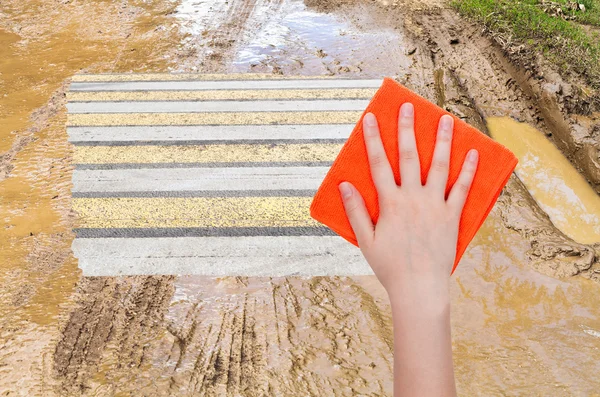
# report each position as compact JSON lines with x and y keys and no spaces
{"x":412,"y":249}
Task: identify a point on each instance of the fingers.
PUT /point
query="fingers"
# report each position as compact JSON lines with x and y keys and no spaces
{"x":438,"y":173}
{"x":381,"y":171}
{"x":357,"y":214}
{"x":460,"y":190}
{"x":410,"y":168}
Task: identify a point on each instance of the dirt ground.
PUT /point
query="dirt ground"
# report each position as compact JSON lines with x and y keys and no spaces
{"x":526,"y":301}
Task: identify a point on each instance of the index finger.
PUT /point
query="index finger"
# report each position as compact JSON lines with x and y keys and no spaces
{"x":381,"y":170}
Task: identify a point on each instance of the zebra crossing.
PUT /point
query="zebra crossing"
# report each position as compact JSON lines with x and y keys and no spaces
{"x":208,"y":174}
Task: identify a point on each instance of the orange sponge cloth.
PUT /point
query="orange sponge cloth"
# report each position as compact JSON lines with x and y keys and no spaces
{"x":496,"y":164}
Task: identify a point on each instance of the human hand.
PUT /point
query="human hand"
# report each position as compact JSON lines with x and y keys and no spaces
{"x":413,"y":246}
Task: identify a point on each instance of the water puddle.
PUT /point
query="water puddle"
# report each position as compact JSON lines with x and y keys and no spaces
{"x":296,"y":39}
{"x":514,"y":328}
{"x":195,"y":16}
{"x":287,"y":37}
{"x":196,"y":19}
{"x":573,"y":206}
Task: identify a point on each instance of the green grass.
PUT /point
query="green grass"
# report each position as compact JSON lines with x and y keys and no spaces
{"x":591,"y":15}
{"x":563,"y":42}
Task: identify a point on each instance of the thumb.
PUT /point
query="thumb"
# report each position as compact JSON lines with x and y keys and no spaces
{"x":357,"y":214}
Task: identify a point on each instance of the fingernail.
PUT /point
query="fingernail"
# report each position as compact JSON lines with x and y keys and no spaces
{"x":370,"y":120}
{"x":345,"y":190}
{"x":473,"y":155}
{"x":446,"y":122}
{"x":407,"y":110}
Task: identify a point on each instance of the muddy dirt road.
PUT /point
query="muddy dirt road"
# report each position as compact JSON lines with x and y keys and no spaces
{"x":526,"y":297}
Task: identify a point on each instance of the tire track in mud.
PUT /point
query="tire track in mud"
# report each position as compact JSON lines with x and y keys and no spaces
{"x":115,"y":321}
{"x":225,"y":35}
{"x":223,"y":38}
{"x":266,"y":342}
{"x":470,"y":79}
{"x":268,"y":339}
{"x":558,"y":107}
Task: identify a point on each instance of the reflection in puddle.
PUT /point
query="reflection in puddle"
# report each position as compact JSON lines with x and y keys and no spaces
{"x":517,"y":329}
{"x":554,"y":183}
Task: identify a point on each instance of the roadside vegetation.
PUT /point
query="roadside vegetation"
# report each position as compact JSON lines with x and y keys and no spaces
{"x":566,"y":32}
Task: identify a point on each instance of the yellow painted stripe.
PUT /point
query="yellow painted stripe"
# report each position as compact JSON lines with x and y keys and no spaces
{"x":222,"y":118}
{"x":187,"y":77}
{"x":206,"y":153}
{"x":194,"y":212}
{"x":219,"y":95}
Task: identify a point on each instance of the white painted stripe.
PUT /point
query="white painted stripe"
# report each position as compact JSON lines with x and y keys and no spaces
{"x":209,"y":132}
{"x":218,"y":106}
{"x":198,"y":179}
{"x":221,"y":256}
{"x":224,"y":85}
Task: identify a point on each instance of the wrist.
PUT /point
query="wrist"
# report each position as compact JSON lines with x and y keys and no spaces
{"x":427,"y":306}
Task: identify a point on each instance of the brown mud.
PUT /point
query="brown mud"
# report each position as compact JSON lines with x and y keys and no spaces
{"x":43,"y":44}
{"x":568,"y":105}
{"x":470,"y":75}
{"x":521,"y":324}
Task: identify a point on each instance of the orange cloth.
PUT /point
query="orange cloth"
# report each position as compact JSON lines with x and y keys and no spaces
{"x":496,"y":164}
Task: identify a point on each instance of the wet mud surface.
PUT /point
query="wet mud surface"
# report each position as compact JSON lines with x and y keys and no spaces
{"x":525,"y":321}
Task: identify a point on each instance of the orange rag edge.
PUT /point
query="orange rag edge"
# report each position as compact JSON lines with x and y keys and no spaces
{"x":496,"y":164}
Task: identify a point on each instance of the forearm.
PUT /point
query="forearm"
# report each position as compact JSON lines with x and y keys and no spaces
{"x":412,"y":248}
{"x":422,"y":349}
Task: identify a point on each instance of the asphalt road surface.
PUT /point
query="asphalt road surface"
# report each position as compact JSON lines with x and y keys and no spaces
{"x":208,"y":174}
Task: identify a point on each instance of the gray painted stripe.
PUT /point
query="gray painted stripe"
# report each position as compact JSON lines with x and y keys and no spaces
{"x":199,"y":179}
{"x":219,"y":256}
{"x":217,"y":106}
{"x":224,"y":85}
{"x":197,"y":193}
{"x":210,"y":133}
{"x":213,"y":142}
{"x":113,"y":166}
{"x":202,"y":232}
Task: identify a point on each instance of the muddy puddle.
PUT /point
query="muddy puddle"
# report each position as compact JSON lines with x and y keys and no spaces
{"x":565,"y":195}
{"x":288,"y":37}
{"x":301,"y":41}
{"x":519,"y":332}
{"x":516,"y":331}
